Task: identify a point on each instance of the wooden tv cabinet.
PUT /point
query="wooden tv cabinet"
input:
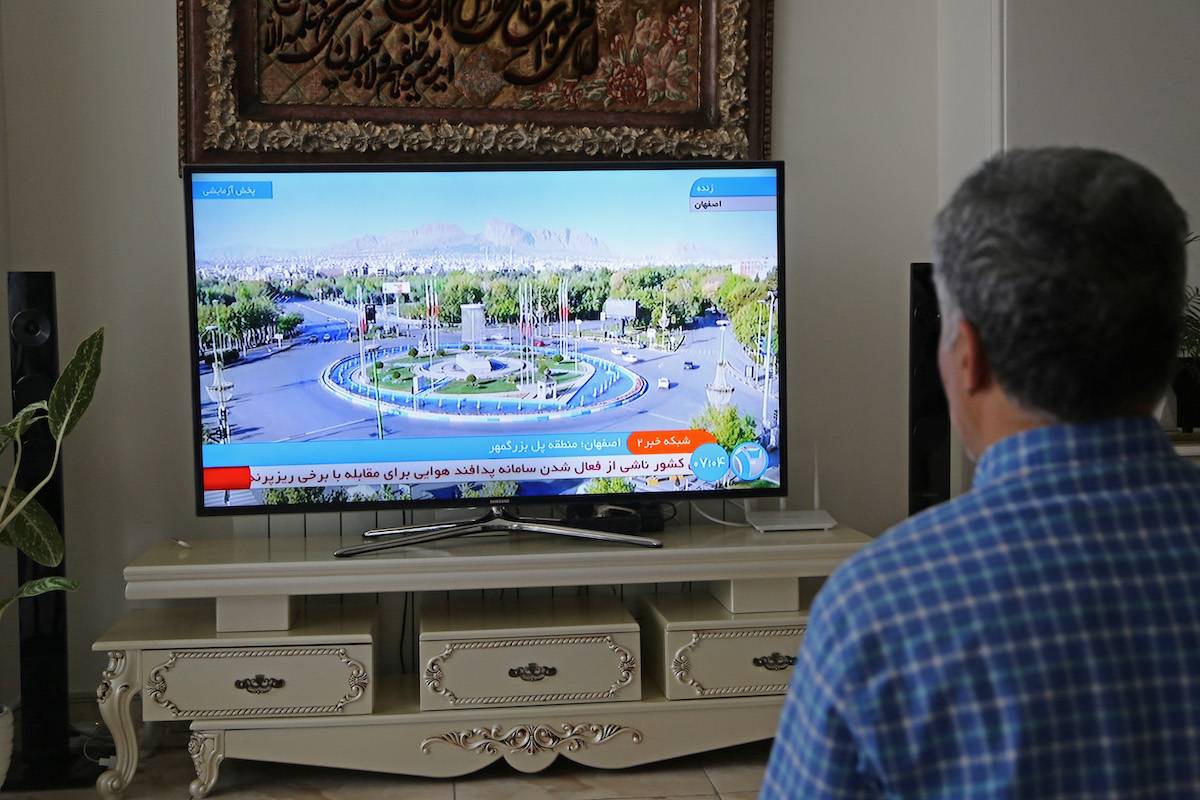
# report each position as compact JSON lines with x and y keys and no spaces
{"x":525,"y":680}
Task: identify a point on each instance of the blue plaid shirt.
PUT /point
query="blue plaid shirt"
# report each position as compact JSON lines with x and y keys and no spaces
{"x":1037,"y":637}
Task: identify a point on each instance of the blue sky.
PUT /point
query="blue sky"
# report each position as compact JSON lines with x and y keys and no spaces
{"x":632,"y":211}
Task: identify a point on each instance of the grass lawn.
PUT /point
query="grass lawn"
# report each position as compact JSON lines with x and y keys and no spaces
{"x":395,"y":378}
{"x":561,"y":371}
{"x":494,"y":386}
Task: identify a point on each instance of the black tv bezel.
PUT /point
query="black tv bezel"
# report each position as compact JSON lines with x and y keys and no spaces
{"x":534,"y":500}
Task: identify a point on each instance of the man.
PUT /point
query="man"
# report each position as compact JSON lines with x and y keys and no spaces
{"x":1038,"y":636}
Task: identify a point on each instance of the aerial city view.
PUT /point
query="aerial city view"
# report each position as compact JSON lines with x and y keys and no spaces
{"x":370,"y":337}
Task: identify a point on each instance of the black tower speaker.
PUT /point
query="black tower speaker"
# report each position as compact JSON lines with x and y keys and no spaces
{"x":43,"y":759}
{"x":928,"y":414}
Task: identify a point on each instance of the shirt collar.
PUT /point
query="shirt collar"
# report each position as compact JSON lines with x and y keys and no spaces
{"x":1071,"y":443}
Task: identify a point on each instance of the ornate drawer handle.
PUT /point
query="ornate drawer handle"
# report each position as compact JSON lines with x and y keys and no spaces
{"x":775,"y":662}
{"x":532,"y":672}
{"x":259,"y":684}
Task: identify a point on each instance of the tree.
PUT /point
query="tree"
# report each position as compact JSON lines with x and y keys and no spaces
{"x":489,"y":489}
{"x":501,"y":301}
{"x":588,"y":292}
{"x":458,"y":289}
{"x":209,"y":291}
{"x":471,"y":379}
{"x":412,"y":352}
{"x":306,"y":495}
{"x":729,"y":427}
{"x":318,"y":287}
{"x":684,"y":300}
{"x":287,"y":324}
{"x":609,"y":486}
{"x":648,"y":284}
{"x":746,"y":328}
{"x":738,"y":291}
{"x":389,"y":493}
{"x":249,"y":316}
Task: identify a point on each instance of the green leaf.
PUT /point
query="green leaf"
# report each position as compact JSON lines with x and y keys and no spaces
{"x":40,"y":586}
{"x":75,"y":386}
{"x":21,"y":422}
{"x":53,"y":583}
{"x":33,"y":531}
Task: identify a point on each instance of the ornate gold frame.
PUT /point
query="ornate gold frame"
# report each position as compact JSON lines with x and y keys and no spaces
{"x":218,"y":124}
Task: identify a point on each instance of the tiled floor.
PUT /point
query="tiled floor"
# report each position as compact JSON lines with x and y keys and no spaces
{"x":732,"y":774}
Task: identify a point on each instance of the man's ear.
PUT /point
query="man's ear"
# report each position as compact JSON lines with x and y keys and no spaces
{"x":972,"y":361}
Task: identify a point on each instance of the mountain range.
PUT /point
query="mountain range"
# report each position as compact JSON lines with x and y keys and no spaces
{"x":497,"y":239}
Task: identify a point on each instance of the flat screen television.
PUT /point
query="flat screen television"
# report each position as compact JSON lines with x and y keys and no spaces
{"x":370,"y":337}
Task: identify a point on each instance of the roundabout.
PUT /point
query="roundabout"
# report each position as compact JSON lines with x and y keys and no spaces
{"x":481,"y":385}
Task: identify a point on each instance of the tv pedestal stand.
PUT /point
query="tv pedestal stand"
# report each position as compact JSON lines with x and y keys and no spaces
{"x":630,"y":676}
{"x":497,"y":518}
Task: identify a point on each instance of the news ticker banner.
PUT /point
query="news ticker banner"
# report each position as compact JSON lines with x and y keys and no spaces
{"x":464,"y":460}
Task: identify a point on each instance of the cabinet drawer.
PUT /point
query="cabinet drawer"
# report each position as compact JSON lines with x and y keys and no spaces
{"x":535,"y":653}
{"x":204,"y":683}
{"x":696,"y":648}
{"x":732,"y":662}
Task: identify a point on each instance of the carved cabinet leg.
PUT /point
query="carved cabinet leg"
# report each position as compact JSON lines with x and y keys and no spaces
{"x":118,"y":686}
{"x":207,"y":749}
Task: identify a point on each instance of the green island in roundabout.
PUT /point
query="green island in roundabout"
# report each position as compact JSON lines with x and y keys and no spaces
{"x":482,"y":383}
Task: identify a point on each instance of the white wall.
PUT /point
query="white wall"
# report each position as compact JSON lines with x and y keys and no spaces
{"x":1117,"y":74}
{"x":93,"y":194}
{"x":856,"y":95}
{"x":93,"y":191}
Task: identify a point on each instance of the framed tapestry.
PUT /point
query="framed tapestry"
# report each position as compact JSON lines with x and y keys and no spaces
{"x":390,"y":80}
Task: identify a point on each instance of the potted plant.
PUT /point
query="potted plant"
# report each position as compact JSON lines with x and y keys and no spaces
{"x":24,"y":524}
{"x":1187,"y":377}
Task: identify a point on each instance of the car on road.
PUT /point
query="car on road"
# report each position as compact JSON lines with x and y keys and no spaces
{"x":538,"y":343}
{"x":689,"y":365}
{"x":616,"y":351}
{"x":312,"y":339}
{"x":629,"y":358}
{"x":327,"y":338}
{"x":664,"y":383}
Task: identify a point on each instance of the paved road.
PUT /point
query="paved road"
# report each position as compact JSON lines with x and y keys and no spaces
{"x":279,"y":398}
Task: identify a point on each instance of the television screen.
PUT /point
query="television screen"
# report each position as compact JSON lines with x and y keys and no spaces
{"x":370,"y":337}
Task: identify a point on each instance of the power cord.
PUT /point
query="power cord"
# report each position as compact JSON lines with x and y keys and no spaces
{"x":726,"y":523}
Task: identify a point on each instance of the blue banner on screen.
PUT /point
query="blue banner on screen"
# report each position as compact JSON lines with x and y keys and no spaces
{"x":389,"y":336}
{"x":231,"y":190}
{"x":763,"y":186}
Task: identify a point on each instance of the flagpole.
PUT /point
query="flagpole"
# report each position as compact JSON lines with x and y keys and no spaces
{"x":362,"y":364}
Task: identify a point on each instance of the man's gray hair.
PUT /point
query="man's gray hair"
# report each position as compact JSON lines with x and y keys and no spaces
{"x":1070,"y":264}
